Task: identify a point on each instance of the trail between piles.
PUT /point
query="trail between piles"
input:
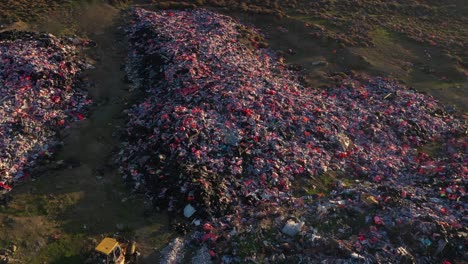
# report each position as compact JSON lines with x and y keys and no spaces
{"x":74,"y":205}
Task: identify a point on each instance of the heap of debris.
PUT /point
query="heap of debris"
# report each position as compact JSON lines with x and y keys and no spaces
{"x":225,"y":131}
{"x":39,"y":95}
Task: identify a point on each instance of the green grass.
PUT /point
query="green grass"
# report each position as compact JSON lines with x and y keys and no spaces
{"x":320,"y":185}
{"x":252,"y":243}
{"x":425,"y":67}
{"x":64,"y":250}
{"x":26,"y":205}
{"x":319,"y":21}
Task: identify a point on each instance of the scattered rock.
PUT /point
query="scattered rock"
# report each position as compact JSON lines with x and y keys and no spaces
{"x":174,"y":253}
{"x":292,"y":227}
{"x":319,"y":63}
{"x":202,"y":256}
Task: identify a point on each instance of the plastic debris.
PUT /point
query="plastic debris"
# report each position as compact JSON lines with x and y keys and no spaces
{"x":355,"y":255}
{"x":189,"y":211}
{"x":39,"y":96}
{"x":231,"y":130}
{"x":174,"y":253}
{"x":202,"y":256}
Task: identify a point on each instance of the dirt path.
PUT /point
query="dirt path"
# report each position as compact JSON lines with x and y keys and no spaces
{"x":57,"y":216}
